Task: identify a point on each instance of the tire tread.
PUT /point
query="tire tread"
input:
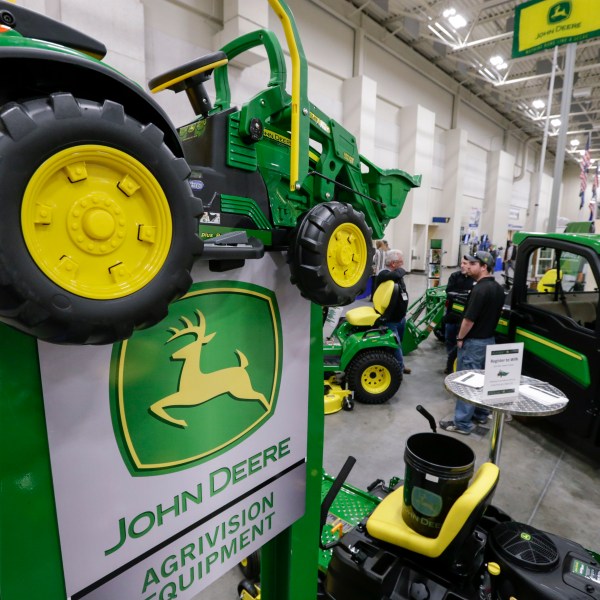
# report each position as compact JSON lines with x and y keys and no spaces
{"x":360,"y":362}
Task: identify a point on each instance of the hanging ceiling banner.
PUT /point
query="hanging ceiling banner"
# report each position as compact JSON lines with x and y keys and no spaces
{"x":543,"y":24}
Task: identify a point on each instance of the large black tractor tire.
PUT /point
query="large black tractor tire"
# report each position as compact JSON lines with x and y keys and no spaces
{"x":331,"y":254}
{"x":97,"y":221}
{"x":374,"y":376}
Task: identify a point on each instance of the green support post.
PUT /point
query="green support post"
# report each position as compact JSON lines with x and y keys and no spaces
{"x":284,"y":577}
{"x":30,"y":557}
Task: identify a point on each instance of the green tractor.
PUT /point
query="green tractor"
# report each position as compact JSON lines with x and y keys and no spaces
{"x":107,"y":205}
{"x":359,"y":355}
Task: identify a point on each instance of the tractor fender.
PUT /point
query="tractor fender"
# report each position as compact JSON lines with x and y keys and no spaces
{"x":367,"y":340}
{"x":45,"y":71}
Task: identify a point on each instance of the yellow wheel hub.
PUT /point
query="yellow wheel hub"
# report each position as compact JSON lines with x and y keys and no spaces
{"x":347,"y":255}
{"x":376,"y":379}
{"x":96,"y":222}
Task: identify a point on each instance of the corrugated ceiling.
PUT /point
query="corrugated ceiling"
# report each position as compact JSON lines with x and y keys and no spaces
{"x":464,"y":53}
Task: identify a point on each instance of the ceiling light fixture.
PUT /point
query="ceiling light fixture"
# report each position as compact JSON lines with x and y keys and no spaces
{"x":574,"y":143}
{"x":457,"y":21}
{"x":555,"y":122}
{"x":538,"y":104}
{"x":449,"y":12}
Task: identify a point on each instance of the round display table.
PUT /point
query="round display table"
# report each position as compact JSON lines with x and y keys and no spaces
{"x":535,"y":399}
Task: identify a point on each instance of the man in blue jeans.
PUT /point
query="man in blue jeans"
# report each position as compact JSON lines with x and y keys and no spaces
{"x":476,"y":332}
{"x":458,"y":288}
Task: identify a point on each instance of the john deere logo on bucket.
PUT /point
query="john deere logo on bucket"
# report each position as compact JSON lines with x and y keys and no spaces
{"x":199,"y":382}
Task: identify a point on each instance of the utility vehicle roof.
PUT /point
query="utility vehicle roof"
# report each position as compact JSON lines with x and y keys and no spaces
{"x":591,"y":240}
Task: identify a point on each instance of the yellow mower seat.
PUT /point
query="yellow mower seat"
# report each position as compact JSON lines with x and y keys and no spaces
{"x":548,"y":281}
{"x":366,"y":316}
{"x":386,"y":522}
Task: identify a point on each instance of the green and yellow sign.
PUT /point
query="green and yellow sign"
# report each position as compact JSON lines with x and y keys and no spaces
{"x":207,"y":366}
{"x":543,"y":24}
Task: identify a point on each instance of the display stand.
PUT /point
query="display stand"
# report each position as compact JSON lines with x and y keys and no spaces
{"x":434,"y":263}
{"x":66,"y":454}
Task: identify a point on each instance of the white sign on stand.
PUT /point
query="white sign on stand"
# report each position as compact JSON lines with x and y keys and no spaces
{"x":180,"y":451}
{"x":503,"y":364}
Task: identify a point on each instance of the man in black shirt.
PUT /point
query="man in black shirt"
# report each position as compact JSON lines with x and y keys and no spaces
{"x":394,"y":271}
{"x":458,"y":288}
{"x":476,"y":332}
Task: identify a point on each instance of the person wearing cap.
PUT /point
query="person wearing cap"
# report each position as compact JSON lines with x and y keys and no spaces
{"x":476,"y":332}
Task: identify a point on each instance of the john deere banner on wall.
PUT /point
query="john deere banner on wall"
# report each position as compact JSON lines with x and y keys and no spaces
{"x":180,"y":451}
{"x":543,"y":24}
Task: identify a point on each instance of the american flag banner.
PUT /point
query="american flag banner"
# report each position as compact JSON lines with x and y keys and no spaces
{"x":594,"y":200}
{"x":585,"y":167}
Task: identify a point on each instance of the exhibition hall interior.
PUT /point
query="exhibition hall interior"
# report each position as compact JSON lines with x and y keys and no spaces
{"x":299,"y":299}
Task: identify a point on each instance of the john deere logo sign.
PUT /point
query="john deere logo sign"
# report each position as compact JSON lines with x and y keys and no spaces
{"x":199,"y":382}
{"x":542,"y":24}
{"x":559,"y":12}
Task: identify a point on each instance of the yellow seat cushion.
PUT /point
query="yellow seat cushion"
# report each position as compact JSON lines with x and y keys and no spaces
{"x":366,"y":316}
{"x":386,"y":522}
{"x":363,"y":316}
{"x":548,"y":281}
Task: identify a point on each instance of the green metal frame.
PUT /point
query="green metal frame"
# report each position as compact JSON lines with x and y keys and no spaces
{"x":29,"y":544}
{"x":282,"y":577}
{"x":349,"y":508}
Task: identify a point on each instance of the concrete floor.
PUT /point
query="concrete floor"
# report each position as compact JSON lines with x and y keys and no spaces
{"x":542,"y":482}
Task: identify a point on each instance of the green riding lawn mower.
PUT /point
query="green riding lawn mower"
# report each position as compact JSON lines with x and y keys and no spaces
{"x":359,"y":361}
{"x":464,"y":547}
{"x":106,"y":205}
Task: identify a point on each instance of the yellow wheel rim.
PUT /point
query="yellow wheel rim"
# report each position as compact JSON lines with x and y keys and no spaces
{"x":347,"y":255}
{"x":376,"y":379}
{"x":96,"y":222}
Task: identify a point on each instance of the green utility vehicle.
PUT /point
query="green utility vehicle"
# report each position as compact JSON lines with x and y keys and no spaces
{"x":553,"y":310}
{"x":101,"y":218}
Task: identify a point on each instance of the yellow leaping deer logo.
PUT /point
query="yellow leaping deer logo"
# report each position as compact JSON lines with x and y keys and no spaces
{"x":197,"y":387}
{"x":559,"y":12}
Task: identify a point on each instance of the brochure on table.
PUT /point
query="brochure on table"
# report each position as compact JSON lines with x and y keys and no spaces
{"x":503,"y":363}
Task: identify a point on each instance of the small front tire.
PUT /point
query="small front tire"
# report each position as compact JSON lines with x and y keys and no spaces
{"x":331,"y":253}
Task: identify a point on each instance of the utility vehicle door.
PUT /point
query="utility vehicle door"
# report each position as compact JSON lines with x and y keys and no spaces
{"x":554,"y":312}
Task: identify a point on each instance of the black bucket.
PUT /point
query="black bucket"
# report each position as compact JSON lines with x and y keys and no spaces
{"x":438,"y":470}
